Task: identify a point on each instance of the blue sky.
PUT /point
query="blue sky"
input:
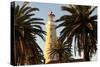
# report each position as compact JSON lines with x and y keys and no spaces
{"x":43,"y":13}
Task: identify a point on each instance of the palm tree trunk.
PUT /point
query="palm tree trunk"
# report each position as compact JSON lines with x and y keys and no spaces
{"x":86,"y":53}
{"x":60,"y":58}
{"x":86,"y":47}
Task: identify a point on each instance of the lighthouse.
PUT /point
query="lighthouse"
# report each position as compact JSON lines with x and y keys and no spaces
{"x":51,"y":40}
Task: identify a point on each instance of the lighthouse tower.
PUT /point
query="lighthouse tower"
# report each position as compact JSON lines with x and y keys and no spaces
{"x":51,"y":40}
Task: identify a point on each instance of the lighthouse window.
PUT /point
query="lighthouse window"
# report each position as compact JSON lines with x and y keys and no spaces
{"x":50,"y":28}
{"x":51,"y":35}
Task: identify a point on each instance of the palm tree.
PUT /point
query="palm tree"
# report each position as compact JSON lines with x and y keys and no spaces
{"x":25,"y":49}
{"x":62,"y":51}
{"x":80,"y":26}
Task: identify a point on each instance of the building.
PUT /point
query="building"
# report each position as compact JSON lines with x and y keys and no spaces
{"x":51,"y":40}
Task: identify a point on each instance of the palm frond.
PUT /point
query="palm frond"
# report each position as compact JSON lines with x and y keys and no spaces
{"x":78,"y":26}
{"x":92,"y":10}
